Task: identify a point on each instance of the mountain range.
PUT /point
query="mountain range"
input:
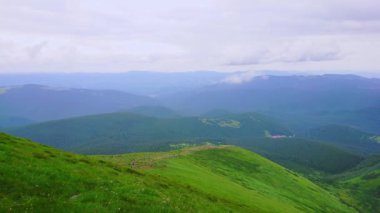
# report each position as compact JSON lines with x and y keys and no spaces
{"x":41,"y":103}
{"x":208,"y":142}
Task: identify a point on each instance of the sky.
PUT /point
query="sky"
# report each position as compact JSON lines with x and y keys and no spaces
{"x":324,"y":36}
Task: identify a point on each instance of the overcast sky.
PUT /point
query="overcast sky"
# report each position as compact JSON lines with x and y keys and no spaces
{"x":174,"y":35}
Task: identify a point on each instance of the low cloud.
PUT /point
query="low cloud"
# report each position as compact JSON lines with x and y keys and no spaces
{"x":35,"y":50}
{"x":294,"y":53}
{"x":240,"y":77}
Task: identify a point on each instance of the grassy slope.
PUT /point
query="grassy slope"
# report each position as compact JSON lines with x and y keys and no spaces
{"x":299,"y":154}
{"x":38,"y":178}
{"x":360,"y":187}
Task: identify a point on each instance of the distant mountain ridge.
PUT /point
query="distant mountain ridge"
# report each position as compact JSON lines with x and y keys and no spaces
{"x":137,"y":82}
{"x":283,"y":93}
{"x":41,"y":103}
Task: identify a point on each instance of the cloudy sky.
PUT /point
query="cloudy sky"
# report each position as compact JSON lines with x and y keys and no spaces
{"x":173,"y":35}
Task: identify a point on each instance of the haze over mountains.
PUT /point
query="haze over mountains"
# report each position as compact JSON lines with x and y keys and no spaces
{"x":138,"y":82}
{"x":310,"y":100}
{"x":49,"y":103}
{"x":286,"y":93}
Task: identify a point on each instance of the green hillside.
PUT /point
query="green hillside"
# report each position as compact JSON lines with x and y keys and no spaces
{"x":127,"y":132}
{"x":37,"y":178}
{"x":347,"y":137}
{"x":360,"y":187}
{"x":302,"y":154}
{"x":154,"y":111}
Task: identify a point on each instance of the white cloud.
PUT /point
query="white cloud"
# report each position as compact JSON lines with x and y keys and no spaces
{"x":240,"y":77}
{"x":294,"y":51}
{"x":168,"y":35}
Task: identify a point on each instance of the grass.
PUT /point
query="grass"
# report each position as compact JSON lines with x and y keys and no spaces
{"x":299,"y":154}
{"x":360,"y":187}
{"x":248,"y":180}
{"x":37,"y":178}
